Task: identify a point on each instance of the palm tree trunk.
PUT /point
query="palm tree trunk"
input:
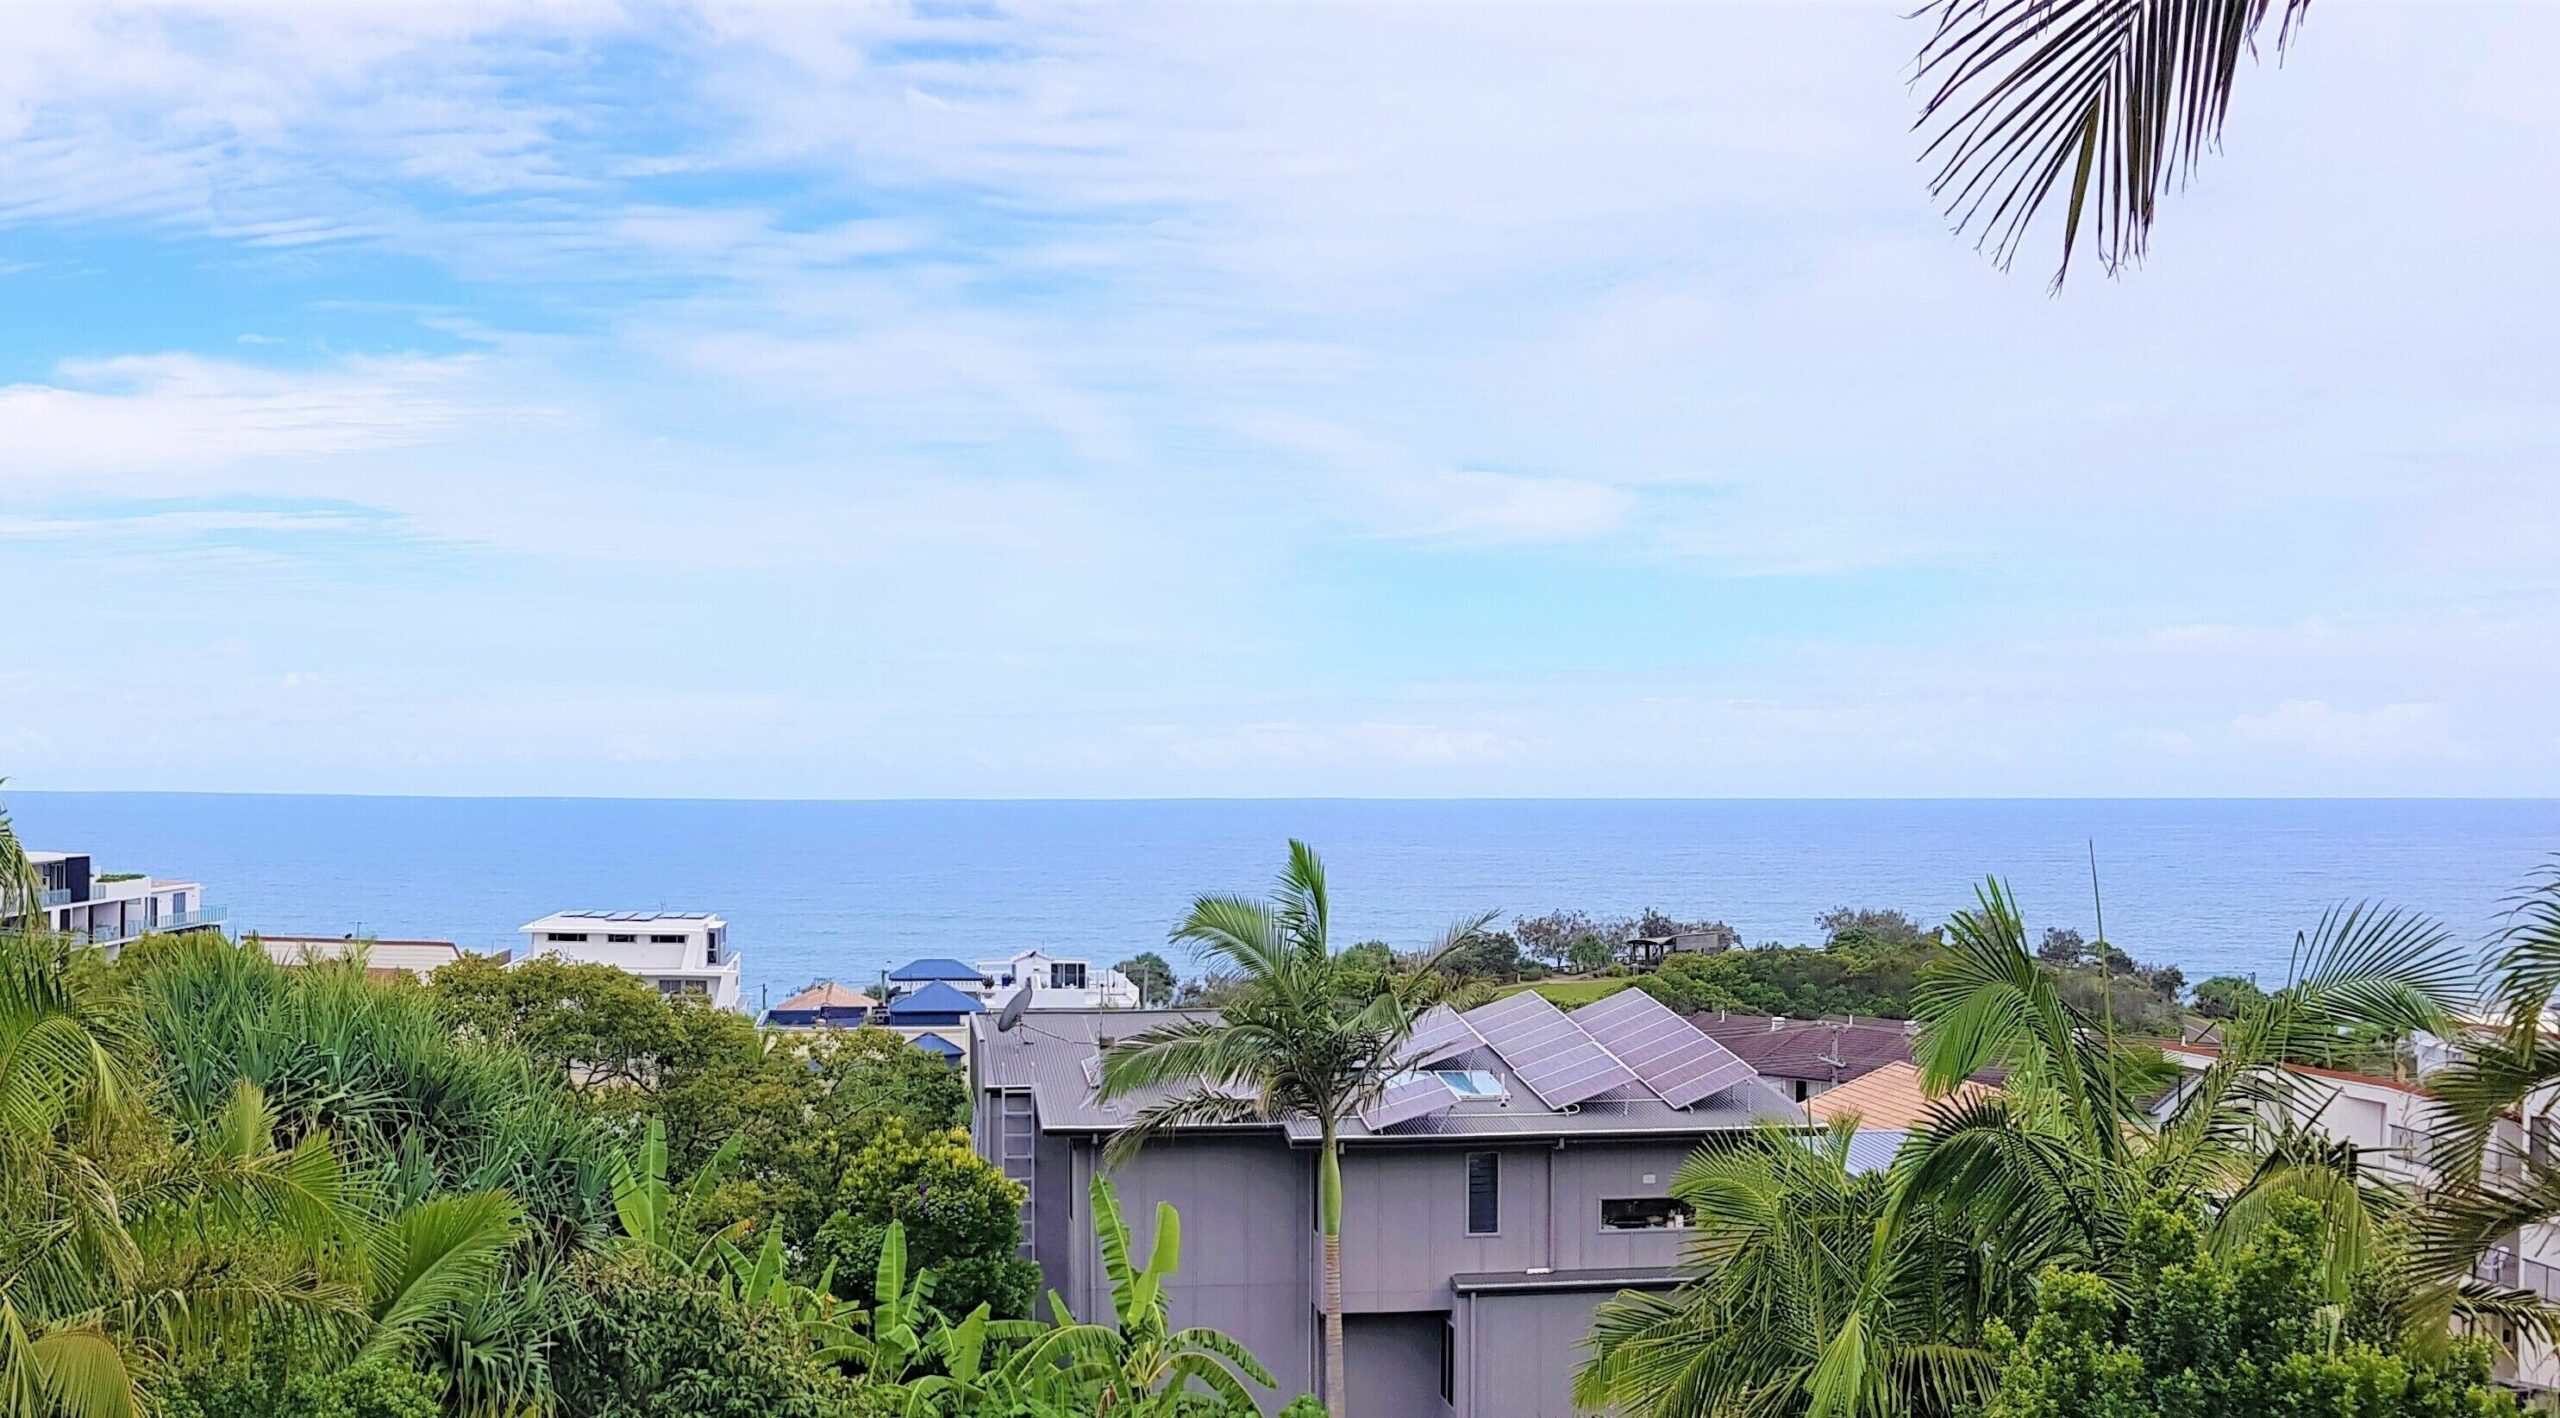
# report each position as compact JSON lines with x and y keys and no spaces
{"x":1329,"y":1195}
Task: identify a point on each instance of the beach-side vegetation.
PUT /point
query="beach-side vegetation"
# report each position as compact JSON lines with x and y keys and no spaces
{"x":238,"y":1189}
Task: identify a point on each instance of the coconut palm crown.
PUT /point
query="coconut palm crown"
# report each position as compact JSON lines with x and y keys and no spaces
{"x":1300,"y":1037}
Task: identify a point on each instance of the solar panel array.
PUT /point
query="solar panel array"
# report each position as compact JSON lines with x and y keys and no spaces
{"x":1553,"y":1056}
{"x":1439,"y":1034}
{"x":1627,"y":1041}
{"x":1674,"y":1057}
{"x":1415,"y":1096}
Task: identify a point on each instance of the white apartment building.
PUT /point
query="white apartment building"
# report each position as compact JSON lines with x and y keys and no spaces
{"x":680,"y":952}
{"x":110,"y":909}
{"x":1056,"y":981}
{"x":2391,"y":1123}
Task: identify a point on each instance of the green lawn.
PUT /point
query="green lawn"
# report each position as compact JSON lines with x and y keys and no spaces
{"x":1568,"y":993}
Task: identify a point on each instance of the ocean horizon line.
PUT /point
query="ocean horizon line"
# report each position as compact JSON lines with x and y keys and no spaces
{"x":12,"y":790}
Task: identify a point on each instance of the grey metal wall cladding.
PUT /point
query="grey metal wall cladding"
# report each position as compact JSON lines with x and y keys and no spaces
{"x":1393,"y":1365}
{"x":1058,"y":1209}
{"x":1517,"y":1353}
{"x":1404,"y":1217}
{"x":1249,"y":1246}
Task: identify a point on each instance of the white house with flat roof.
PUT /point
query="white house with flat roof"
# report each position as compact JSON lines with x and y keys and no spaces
{"x":680,"y":952}
{"x":1056,"y":981}
{"x":110,"y":909}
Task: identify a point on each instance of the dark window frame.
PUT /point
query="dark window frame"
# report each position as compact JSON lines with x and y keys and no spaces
{"x":1484,"y":1193}
{"x":1449,"y":1362}
{"x":1664,"y":1205}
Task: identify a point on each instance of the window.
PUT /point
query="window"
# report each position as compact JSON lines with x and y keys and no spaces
{"x":1801,"y":1090}
{"x":661,"y":939}
{"x":1484,"y":1193}
{"x":620,"y":939}
{"x":564,"y":935}
{"x":1472,"y":1083}
{"x":1066,"y":977}
{"x":1644,"y":1213}
{"x":1448,"y":1362}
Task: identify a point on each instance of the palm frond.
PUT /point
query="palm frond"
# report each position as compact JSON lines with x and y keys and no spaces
{"x":2109,"y":102}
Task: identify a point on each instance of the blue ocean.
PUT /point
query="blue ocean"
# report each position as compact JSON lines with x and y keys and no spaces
{"x":846,"y":889}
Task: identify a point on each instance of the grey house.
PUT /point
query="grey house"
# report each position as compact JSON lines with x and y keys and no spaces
{"x":1515,"y":1178}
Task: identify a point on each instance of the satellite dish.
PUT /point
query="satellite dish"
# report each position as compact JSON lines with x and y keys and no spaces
{"x":1011,"y":1014}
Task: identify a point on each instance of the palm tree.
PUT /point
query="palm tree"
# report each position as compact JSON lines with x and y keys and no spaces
{"x":21,"y":885}
{"x":1299,"y":1037}
{"x":62,"y":1083}
{"x":2495,"y":1184}
{"x":2054,"y":1167}
{"x":1823,"y":1295}
{"x":1811,"y":1296}
{"x":2111,"y":101}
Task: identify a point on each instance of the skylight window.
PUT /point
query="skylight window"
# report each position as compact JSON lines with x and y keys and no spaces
{"x":1473,"y":1083}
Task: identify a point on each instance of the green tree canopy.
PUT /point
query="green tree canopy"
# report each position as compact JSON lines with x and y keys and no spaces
{"x":1153,"y":975}
{"x":962,"y":1220}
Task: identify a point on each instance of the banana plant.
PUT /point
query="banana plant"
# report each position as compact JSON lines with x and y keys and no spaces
{"x":1137,"y":1366}
{"x":827,"y":1324}
{"x":646,"y":1204}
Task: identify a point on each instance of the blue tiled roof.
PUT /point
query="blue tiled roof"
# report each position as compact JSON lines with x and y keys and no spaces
{"x":935,"y":998}
{"x":935,"y":1043}
{"x":936,"y":968}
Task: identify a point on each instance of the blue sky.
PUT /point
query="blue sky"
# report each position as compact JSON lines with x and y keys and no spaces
{"x":1248,"y":399}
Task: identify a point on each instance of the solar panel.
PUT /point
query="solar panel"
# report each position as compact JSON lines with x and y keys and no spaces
{"x":1436,"y":1036}
{"x":1558,"y":1062}
{"x":1674,"y":1057}
{"x":1416,"y":1096}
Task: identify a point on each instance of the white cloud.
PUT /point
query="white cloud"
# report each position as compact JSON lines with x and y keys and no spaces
{"x":2386,"y":731}
{"x":1134,"y":398}
{"x":162,"y":417}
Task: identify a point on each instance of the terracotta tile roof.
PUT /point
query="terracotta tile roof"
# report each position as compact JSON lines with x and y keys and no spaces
{"x":1821,"y":1050}
{"x":1889,"y":1097}
{"x":827,"y":994}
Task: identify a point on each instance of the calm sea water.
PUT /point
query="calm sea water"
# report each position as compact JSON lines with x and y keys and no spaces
{"x":847,"y":889}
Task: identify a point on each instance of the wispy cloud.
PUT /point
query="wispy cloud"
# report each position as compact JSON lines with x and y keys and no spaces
{"x":1179,"y":398}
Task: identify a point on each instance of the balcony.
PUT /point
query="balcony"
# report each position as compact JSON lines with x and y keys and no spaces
{"x":169,"y":923}
{"x":2505,"y":1267}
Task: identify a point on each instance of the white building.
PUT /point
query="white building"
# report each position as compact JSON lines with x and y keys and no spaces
{"x":383,"y":959}
{"x":1056,"y":981}
{"x":680,"y":952}
{"x":2392,"y":1122}
{"x":111,"y":908}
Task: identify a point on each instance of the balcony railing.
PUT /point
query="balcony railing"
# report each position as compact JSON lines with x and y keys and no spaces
{"x":2505,"y":1267}
{"x":134,"y":928}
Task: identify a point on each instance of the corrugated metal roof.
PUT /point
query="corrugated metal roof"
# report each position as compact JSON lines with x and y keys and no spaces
{"x":1050,"y":1054}
{"x":935,"y":968}
{"x":935,"y":998}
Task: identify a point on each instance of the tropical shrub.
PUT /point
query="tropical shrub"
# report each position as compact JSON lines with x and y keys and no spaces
{"x":637,"y":1340}
{"x":261,"y":1381}
{"x":373,"y":1065}
{"x":2203,"y":1334}
{"x":962,"y":1220}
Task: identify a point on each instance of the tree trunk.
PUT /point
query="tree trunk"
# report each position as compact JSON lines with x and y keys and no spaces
{"x":1329,"y":1184}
